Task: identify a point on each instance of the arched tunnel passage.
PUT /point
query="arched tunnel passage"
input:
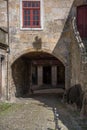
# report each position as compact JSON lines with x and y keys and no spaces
{"x":37,"y":71}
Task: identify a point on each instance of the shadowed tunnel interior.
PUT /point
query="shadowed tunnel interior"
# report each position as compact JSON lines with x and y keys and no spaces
{"x":37,"y":71}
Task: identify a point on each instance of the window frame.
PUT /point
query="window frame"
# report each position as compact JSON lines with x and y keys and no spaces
{"x":41,"y":16}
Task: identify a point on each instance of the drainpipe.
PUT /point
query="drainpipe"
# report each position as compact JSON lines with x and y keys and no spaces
{"x":8,"y":50}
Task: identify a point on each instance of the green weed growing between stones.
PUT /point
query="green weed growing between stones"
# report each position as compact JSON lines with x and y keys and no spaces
{"x":4,"y":106}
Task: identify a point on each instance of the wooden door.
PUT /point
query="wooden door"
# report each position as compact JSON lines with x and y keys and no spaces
{"x":82,"y":21}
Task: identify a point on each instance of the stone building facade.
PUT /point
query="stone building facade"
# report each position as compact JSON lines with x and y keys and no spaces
{"x":3,"y":63}
{"x":48,"y":53}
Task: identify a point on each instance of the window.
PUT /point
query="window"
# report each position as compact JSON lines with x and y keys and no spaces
{"x":31,"y":12}
{"x":82,"y":21}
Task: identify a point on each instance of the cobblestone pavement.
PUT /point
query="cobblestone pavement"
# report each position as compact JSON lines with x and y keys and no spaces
{"x":36,"y":113}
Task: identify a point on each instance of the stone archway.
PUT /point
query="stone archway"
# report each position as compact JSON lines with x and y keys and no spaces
{"x":37,"y":70}
{"x":30,"y":50}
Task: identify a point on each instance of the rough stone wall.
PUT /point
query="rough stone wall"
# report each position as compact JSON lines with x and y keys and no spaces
{"x":3,"y":63}
{"x":85,"y":78}
{"x":55,"y":15}
{"x":2,"y":37}
{"x":75,"y":62}
{"x":56,"y":37}
{"x":20,"y":77}
{"x":53,"y":36}
{"x":3,"y":14}
{"x":78,"y":69}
